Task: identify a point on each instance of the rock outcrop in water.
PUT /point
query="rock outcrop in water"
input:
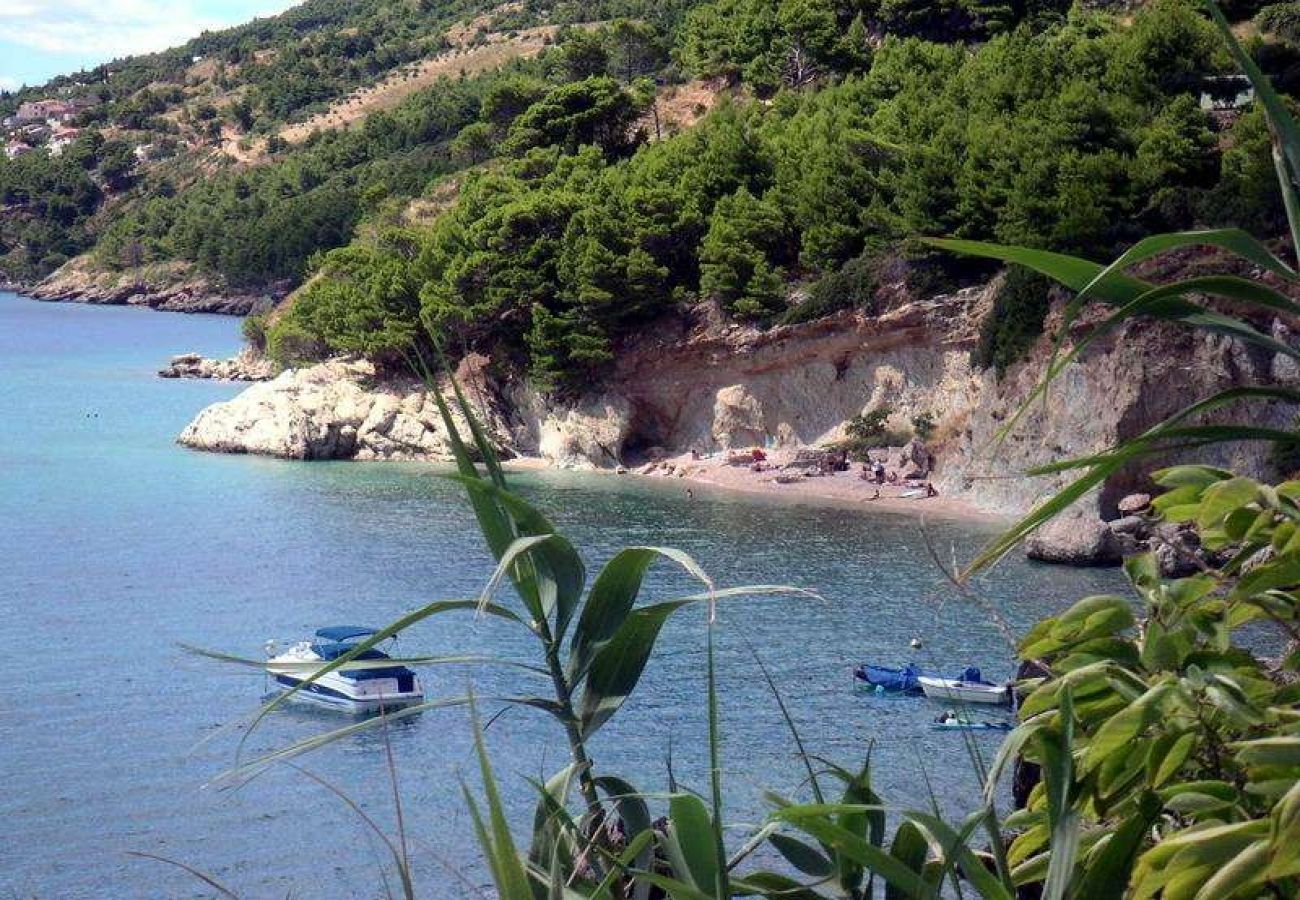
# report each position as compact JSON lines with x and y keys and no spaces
{"x":247,"y":365}
{"x":699,"y":384}
{"x":336,"y":410}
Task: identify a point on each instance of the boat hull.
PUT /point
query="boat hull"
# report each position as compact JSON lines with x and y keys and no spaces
{"x":971,"y":726}
{"x":963,"y":691}
{"x":338,"y":693}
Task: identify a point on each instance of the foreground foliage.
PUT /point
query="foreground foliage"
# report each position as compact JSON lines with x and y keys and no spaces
{"x":1171,"y":755}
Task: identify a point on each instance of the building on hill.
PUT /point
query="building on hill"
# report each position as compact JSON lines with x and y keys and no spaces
{"x":51,"y":111}
{"x":61,"y":138}
{"x":15,"y":149}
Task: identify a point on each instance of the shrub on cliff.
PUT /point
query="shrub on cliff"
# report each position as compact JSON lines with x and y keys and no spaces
{"x":1015,"y":321}
{"x":851,"y":286}
{"x":1281,"y":19}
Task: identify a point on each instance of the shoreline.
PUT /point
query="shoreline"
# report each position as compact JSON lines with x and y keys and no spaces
{"x":844,"y":490}
{"x":181,"y":298}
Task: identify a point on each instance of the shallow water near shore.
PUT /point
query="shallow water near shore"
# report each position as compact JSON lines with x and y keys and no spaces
{"x":119,"y":546}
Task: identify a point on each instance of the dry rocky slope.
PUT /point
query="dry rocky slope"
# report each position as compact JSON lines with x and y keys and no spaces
{"x":699,"y":384}
{"x":168,"y":287}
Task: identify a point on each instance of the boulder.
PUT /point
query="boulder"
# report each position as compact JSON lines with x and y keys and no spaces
{"x":811,"y":459}
{"x":912,"y":460}
{"x":1075,"y":538}
{"x":1177,"y":549}
{"x":1129,"y":525}
{"x":1134,"y":503}
{"x":589,"y":435}
{"x":248,"y":365}
{"x":737,"y":418}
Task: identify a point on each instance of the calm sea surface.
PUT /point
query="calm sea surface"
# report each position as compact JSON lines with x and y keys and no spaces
{"x":118,"y":546}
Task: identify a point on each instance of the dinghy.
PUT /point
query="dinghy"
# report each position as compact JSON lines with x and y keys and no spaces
{"x":969,"y":688}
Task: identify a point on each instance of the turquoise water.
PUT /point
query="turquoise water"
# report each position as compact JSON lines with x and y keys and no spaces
{"x":119,"y":545}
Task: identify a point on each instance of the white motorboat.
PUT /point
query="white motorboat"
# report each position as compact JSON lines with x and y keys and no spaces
{"x":961,"y":691}
{"x":368,"y":682}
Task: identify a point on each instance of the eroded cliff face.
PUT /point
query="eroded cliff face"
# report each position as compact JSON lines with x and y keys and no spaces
{"x":699,"y":384}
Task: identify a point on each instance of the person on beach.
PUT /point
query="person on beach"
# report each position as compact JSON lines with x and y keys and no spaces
{"x":880,"y":472}
{"x":690,"y":494}
{"x":930,"y":491}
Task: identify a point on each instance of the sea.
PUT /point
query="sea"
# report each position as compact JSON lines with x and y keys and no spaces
{"x":121,"y":549}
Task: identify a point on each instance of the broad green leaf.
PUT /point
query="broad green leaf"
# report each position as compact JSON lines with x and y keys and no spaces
{"x":956,"y":853}
{"x":1196,"y":476}
{"x":1121,"y":728}
{"x":909,"y":848}
{"x":1171,"y":760}
{"x":804,"y":857}
{"x":773,"y":885}
{"x":1109,"y":864}
{"x":550,"y":578}
{"x":691,"y":847}
{"x":1280,"y":750}
{"x":617,"y":667}
{"x":628,"y":804}
{"x":1072,"y":271}
{"x":1248,"y":869}
{"x":813,"y":819}
{"x":1224,"y":498}
{"x":612,"y":596}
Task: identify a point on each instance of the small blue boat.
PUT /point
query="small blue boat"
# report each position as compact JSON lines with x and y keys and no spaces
{"x":907,"y":680}
{"x":887,"y":680}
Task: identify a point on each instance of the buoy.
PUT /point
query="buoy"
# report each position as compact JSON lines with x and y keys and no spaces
{"x":915,"y":643}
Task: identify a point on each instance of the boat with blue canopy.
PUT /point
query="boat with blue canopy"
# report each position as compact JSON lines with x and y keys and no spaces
{"x":367,"y":682}
{"x":884,"y":679}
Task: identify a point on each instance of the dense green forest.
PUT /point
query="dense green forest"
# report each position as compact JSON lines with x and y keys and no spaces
{"x":1037,"y":126}
{"x":847,"y":128}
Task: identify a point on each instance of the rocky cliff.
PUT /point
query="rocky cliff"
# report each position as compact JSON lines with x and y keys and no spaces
{"x":699,"y":384}
{"x":170,"y":287}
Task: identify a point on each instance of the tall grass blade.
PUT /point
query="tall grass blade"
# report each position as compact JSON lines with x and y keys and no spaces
{"x":399,"y":856}
{"x":720,"y":886}
{"x":789,"y":724}
{"x":1057,"y":755}
{"x":1279,"y":116}
{"x":512,"y":878}
{"x":200,"y":875}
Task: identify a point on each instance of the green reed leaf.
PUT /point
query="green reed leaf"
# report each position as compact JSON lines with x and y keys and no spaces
{"x":612,"y":597}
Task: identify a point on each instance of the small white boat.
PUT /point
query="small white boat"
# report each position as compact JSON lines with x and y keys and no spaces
{"x":963,"y":691}
{"x":368,"y":682}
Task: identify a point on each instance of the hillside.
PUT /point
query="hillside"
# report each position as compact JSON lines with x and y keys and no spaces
{"x":82,"y":149}
{"x":541,"y":192}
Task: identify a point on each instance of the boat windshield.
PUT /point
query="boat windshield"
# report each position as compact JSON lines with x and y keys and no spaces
{"x":335,"y":649}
